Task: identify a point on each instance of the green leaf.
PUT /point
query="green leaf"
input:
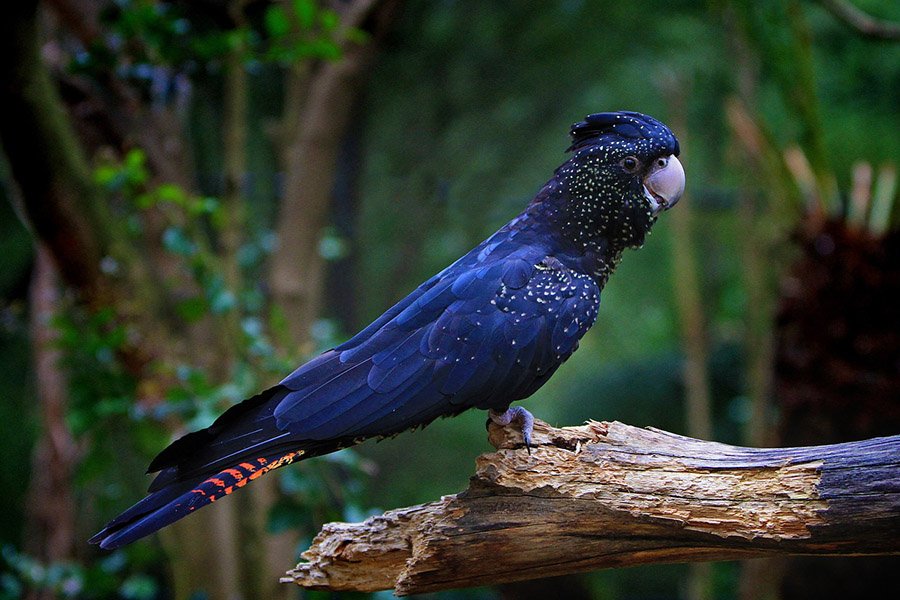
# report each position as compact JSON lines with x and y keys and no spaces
{"x":145,"y":201}
{"x":332,"y":246}
{"x":78,"y":421}
{"x":305,"y":10}
{"x":206,"y":205}
{"x":218,"y":44}
{"x":318,"y":48}
{"x":112,"y":406}
{"x":276,"y":22}
{"x":236,"y":39}
{"x":135,"y":167}
{"x":169,"y":192}
{"x":11,"y":587}
{"x":222,"y":301}
{"x":192,"y":309}
{"x":329,"y":19}
{"x":105,"y":174}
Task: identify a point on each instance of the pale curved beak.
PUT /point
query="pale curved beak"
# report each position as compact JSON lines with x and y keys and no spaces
{"x":664,"y":185}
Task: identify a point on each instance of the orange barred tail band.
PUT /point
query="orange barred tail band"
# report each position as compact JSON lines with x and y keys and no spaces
{"x":227,"y":481}
{"x":175,"y":501}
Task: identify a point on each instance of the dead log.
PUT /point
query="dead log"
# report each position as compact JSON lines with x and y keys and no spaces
{"x":612,"y":495}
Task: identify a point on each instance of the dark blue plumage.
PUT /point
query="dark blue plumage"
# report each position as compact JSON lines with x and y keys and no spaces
{"x":486,"y":331}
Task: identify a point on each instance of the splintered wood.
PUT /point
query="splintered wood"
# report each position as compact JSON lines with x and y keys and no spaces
{"x":606,"y":495}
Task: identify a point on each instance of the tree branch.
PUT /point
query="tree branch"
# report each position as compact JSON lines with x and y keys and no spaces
{"x":612,"y":495}
{"x":861,"y":22}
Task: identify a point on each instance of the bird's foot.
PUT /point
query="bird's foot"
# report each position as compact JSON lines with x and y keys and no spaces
{"x":518,"y":414}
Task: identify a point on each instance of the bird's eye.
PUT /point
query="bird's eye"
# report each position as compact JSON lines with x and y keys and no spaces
{"x":630,"y":164}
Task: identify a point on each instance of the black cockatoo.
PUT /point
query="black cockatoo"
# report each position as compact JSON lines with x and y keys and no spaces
{"x":486,"y":331}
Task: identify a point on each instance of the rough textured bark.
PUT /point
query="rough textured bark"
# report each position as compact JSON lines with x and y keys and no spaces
{"x":612,"y":495}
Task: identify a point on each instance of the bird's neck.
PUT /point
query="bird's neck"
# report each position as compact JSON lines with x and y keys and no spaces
{"x":590,"y":252}
{"x":590,"y":231}
{"x":595,"y":255}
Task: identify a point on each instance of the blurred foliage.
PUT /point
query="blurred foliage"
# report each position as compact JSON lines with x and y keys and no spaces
{"x":146,"y":39}
{"x":464,"y":118}
{"x":100,"y":388}
{"x":18,"y":418}
{"x":117,"y":575}
{"x":16,"y":387}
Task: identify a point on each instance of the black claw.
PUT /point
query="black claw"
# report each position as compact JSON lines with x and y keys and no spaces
{"x":517,"y":413}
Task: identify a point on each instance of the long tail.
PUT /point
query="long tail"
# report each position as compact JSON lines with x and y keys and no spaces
{"x":202,"y":467}
{"x":180,"y":499}
{"x":331,"y":402}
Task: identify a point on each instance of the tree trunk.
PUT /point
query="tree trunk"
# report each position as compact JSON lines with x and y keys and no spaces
{"x":611,"y":495}
{"x":319,"y":104}
{"x":59,"y":198}
{"x":51,"y":500}
{"x":326,"y":95}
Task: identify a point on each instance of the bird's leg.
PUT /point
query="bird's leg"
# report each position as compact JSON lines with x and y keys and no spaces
{"x":516,"y":413}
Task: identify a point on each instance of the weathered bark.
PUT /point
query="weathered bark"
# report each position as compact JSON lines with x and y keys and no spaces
{"x":612,"y":495}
